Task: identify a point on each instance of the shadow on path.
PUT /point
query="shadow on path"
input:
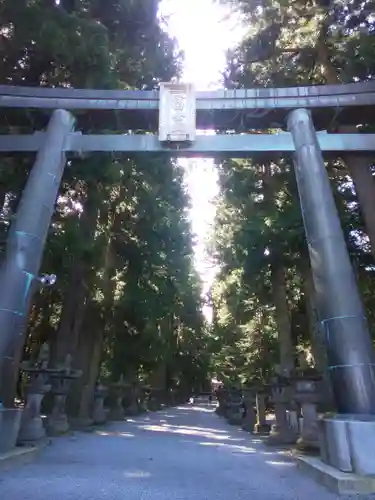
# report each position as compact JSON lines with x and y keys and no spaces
{"x":184,"y":453}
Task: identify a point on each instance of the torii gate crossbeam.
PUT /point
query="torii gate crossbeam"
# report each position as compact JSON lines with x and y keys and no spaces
{"x":219,"y":110}
{"x":223,"y":145}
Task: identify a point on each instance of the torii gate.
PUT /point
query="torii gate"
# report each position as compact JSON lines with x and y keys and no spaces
{"x":181,"y":111}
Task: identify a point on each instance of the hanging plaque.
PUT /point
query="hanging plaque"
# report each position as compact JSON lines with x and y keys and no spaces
{"x":177,"y":113}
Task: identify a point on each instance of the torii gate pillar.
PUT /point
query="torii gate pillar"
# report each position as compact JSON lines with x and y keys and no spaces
{"x":348,"y":341}
{"x":25,"y":245}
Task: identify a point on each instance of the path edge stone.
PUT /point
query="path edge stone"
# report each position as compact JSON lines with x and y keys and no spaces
{"x":343,"y":483}
{"x":22,"y":455}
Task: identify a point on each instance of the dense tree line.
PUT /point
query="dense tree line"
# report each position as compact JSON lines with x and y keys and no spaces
{"x":264,"y":293}
{"x":127,"y":299}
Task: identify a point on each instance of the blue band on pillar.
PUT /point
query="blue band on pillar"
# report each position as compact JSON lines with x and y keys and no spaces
{"x":325,"y":322}
{"x":23,"y":233}
{"x":334,"y":367}
{"x":29,"y":279}
{"x":16,"y":313}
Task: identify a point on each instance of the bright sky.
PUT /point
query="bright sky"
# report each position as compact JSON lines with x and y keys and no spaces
{"x":204,"y":32}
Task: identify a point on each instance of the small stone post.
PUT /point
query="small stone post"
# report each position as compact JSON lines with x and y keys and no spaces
{"x":261,"y":425}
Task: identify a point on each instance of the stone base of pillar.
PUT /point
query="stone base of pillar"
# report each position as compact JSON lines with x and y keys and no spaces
{"x":262,"y":428}
{"x":308,"y":446}
{"x":154,"y":405}
{"x":249,"y":420}
{"x":340,"y":483}
{"x":100,"y":416}
{"x":347,"y":443}
{"x":10,"y":421}
{"x":220,"y":411}
{"x":234,"y":415}
{"x":32,"y":427}
{"x":57,"y":422}
{"x":281,"y":436}
{"x":116,"y":414}
{"x":116,"y":411}
{"x":80,"y":423}
{"x":293,"y":420}
{"x":309,"y":436}
{"x":132,"y":410}
{"x":234,"y":419}
{"x":248,"y":426}
{"x":142,"y":407}
{"x":57,"y":425}
{"x":31,"y":430}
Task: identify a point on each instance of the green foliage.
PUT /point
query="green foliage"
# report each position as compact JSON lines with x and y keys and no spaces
{"x":258,"y":225}
{"x":120,"y":242}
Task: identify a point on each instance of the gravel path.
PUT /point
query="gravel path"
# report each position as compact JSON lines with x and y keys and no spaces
{"x":185,"y":453}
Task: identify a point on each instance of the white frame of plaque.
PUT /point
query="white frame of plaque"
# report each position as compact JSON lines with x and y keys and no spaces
{"x":174,"y":126}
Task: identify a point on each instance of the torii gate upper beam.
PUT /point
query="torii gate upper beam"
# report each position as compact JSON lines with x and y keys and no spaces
{"x":221,"y":109}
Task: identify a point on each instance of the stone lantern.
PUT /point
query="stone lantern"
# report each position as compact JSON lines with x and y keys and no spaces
{"x":99,"y":413}
{"x":307,"y":395}
{"x":32,"y":428}
{"x":234,"y":410}
{"x":281,"y":395}
{"x":222,"y":396}
{"x":61,"y":380}
{"x":249,"y":417}
{"x":117,"y":393}
{"x":261,"y":426}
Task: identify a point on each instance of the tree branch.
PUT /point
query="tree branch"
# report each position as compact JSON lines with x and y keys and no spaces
{"x":264,"y":57}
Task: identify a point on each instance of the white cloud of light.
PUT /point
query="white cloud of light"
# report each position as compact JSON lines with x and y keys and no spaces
{"x":204,"y":31}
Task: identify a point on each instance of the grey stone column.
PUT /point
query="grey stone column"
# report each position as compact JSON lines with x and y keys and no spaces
{"x":26,"y":241}
{"x":261,"y":424}
{"x":348,"y":342}
{"x":281,"y":431}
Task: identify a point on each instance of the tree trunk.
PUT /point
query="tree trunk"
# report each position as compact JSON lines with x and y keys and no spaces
{"x":364,"y":183}
{"x":158,"y":379}
{"x":91,"y":334}
{"x":89,"y":351}
{"x":282,"y":318}
{"x":77,"y":293}
{"x":358,"y":166}
{"x":72,"y":314}
{"x":317,"y":341}
{"x":3,"y":193}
